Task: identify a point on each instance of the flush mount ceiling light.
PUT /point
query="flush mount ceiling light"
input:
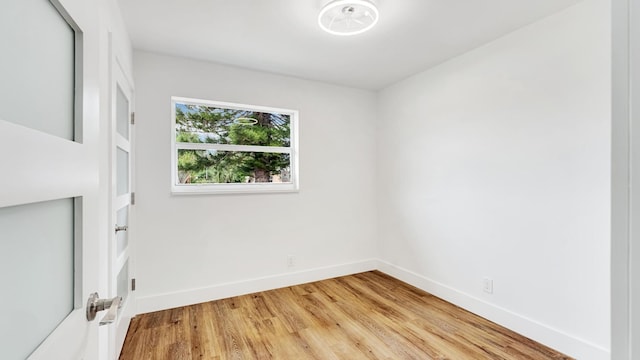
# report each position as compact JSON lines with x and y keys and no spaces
{"x":245,"y":121}
{"x":348,"y":17}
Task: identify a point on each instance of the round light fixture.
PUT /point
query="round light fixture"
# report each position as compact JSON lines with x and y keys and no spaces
{"x":348,"y":17}
{"x":245,"y":121}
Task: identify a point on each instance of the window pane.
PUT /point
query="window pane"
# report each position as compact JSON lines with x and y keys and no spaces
{"x":122,"y":176}
{"x":219,"y":167}
{"x":38,"y":67}
{"x":123,"y":281}
{"x":122,"y":237}
{"x":36,"y":273}
{"x":122,"y":114}
{"x":207,"y":124}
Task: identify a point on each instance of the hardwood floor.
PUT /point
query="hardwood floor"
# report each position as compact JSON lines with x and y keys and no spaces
{"x":362,"y":316}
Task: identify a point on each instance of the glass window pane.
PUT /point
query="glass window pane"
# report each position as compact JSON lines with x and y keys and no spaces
{"x":122,"y":237}
{"x":122,"y":176}
{"x":123,"y":281}
{"x":38,"y":67}
{"x":216,"y":167}
{"x":36,"y":273}
{"x":122,"y":114}
{"x":208,"y":124}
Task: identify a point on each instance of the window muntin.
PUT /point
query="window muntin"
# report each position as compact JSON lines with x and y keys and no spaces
{"x":223,"y":147}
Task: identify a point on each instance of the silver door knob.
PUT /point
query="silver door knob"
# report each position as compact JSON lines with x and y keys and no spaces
{"x":121,"y":228}
{"x":95,"y":305}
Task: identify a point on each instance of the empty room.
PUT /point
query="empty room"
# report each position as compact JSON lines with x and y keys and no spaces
{"x":318,"y":179}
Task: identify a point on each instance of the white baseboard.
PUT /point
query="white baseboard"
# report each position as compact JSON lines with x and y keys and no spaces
{"x":542,"y":333}
{"x":530,"y":328}
{"x":171,"y":300}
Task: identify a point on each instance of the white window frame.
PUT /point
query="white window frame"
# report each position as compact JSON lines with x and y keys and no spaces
{"x":234,"y":188}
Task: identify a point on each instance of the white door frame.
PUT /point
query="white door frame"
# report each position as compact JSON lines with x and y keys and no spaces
{"x":625,"y":218}
{"x":120,"y":80}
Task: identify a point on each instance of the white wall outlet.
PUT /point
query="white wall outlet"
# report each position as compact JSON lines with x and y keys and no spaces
{"x":487,"y":285}
{"x":291,"y":261}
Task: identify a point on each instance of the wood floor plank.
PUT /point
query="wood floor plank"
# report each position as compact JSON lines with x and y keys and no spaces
{"x":367,"y":316}
{"x":375,"y":319}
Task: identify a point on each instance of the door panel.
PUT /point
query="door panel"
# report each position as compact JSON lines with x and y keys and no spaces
{"x":48,"y":187}
{"x":122,"y":237}
{"x":123,"y":281}
{"x":122,"y":184}
{"x":122,"y":169}
{"x":122,"y":116}
{"x":36,"y":262}
{"x":40,"y":65}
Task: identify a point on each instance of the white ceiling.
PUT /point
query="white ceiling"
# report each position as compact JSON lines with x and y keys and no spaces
{"x":282,"y":36}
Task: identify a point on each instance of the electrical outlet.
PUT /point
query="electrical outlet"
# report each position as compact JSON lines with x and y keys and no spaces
{"x":487,"y":285}
{"x":291,"y":261}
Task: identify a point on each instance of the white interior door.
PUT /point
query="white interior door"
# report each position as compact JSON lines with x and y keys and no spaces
{"x":48,"y":183}
{"x":122,"y":190}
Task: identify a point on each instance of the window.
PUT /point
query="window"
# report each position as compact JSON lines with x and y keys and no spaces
{"x":230,"y":148}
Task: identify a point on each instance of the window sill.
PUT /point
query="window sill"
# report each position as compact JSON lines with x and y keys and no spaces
{"x":222,"y":189}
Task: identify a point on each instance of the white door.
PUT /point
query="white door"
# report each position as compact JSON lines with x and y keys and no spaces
{"x":49,"y":178}
{"x":121,"y":267}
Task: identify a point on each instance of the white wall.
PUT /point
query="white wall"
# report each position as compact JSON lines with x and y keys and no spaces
{"x":196,"y":248}
{"x":496,"y":164}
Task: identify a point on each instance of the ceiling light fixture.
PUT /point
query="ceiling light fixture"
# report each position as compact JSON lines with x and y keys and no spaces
{"x":348,"y":17}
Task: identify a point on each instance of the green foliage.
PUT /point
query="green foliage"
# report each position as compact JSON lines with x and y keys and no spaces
{"x":203,"y":124}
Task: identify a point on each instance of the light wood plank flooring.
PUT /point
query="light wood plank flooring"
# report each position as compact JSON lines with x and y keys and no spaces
{"x":362,"y":316}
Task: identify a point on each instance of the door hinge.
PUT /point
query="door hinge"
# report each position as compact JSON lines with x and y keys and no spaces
{"x":133,"y":118}
{"x":133,"y":198}
{"x":133,"y":284}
